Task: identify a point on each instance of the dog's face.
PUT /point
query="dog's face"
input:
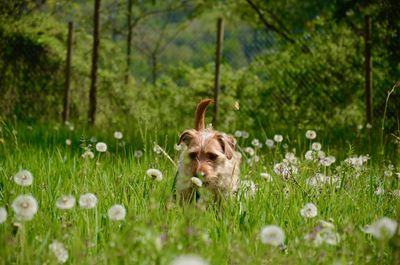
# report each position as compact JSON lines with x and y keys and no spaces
{"x":206,"y":152}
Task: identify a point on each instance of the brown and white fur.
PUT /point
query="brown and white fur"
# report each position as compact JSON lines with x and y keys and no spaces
{"x":210,"y":155}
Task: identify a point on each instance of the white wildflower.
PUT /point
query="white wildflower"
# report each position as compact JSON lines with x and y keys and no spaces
{"x":25,"y":207}
{"x":327,"y":161}
{"x":256,"y":143}
{"x":316,"y":146}
{"x":178,"y":147}
{"x":248,"y":187}
{"x":272,"y":235}
{"x":65,"y":202}
{"x":3,"y":215}
{"x":88,"y":201}
{"x":245,"y":134}
{"x":238,"y":134}
{"x":309,"y":210}
{"x":379,"y":191}
{"x":88,"y":154}
{"x":309,"y":155}
{"x":101,"y":147}
{"x":310,"y":134}
{"x":269,"y":143}
{"x":267,"y":177}
{"x":59,"y":251}
{"x":383,"y":228}
{"x":23,"y":178}
{"x":138,"y":153}
{"x":157,"y":149}
{"x":357,"y":162}
{"x":249,"y":150}
{"x":196,"y":182}
{"x":285,"y":170}
{"x":118,"y":135}
{"x":189,"y":260}
{"x":368,"y":126}
{"x":68,"y":142}
{"x":396,"y":193}
{"x":278,"y":138}
{"x":93,"y":139}
{"x":116,"y":212}
{"x":155,"y":174}
{"x":291,"y":158}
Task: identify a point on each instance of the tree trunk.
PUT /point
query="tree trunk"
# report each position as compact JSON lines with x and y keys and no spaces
{"x":368,"y":70}
{"x":68,"y":74}
{"x":128,"y":43}
{"x":218,"y":57}
{"x":95,"y":57}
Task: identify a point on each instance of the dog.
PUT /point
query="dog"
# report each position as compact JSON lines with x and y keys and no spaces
{"x":210,"y":156}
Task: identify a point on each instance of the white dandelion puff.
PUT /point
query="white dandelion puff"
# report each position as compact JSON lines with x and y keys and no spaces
{"x":88,"y":154}
{"x":157,"y":149}
{"x":138,"y":153}
{"x":59,"y":251}
{"x":155,"y":174}
{"x":269,"y":143}
{"x":316,"y":146}
{"x":65,"y":202}
{"x":68,"y":142}
{"x":309,"y":210}
{"x":189,"y":259}
{"x":23,"y":178}
{"x":196,"y":182}
{"x":25,"y":207}
{"x":88,"y":201}
{"x":118,"y":135}
{"x":3,"y":215}
{"x":379,"y":191}
{"x":383,"y":228}
{"x":249,"y":150}
{"x":238,"y":134}
{"x":116,"y":212}
{"x":267,"y":177}
{"x":101,"y":147}
{"x":278,"y":138}
{"x":178,"y":147}
{"x":245,"y":134}
{"x":310,"y":134}
{"x":272,"y":235}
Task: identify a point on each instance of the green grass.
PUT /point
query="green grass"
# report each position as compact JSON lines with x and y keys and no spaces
{"x":156,"y":229}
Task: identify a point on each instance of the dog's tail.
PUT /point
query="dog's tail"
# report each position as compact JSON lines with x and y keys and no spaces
{"x":200,"y":114}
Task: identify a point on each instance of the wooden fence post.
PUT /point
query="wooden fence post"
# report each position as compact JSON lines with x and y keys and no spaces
{"x":68,"y":74}
{"x":218,"y":57}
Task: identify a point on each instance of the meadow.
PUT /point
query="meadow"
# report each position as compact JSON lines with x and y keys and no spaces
{"x":301,"y":201}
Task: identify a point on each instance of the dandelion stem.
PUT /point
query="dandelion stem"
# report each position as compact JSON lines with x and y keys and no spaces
{"x":166,"y":155}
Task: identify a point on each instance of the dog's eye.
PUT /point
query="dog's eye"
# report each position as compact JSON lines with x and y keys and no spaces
{"x":193,"y":155}
{"x":212,"y":157}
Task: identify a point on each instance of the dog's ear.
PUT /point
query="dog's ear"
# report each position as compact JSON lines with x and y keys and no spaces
{"x":228,"y":144}
{"x":187,"y":136}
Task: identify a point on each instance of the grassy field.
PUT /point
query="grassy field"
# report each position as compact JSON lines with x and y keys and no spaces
{"x":348,"y":195}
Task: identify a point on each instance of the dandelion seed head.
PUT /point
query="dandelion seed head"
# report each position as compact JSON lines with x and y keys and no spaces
{"x":379,"y":191}
{"x":88,"y":154}
{"x":68,"y":142}
{"x":316,"y":146}
{"x":272,"y":235}
{"x":245,"y":134}
{"x":196,"y":182}
{"x":65,"y":202}
{"x":101,"y":147}
{"x":59,"y":251}
{"x":267,"y":177}
{"x":310,"y":134}
{"x":309,"y":155}
{"x":238,"y":134}
{"x":116,"y":212}
{"x":3,"y":215}
{"x":118,"y":135}
{"x":309,"y":210}
{"x":23,"y":178}
{"x":25,"y":207}
{"x":269,"y":143}
{"x":88,"y":201}
{"x":157,"y":149}
{"x":189,"y":259}
{"x":249,"y":150}
{"x":383,"y":228}
{"x":155,"y":174}
{"x":138,"y":153}
{"x":278,"y":138}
